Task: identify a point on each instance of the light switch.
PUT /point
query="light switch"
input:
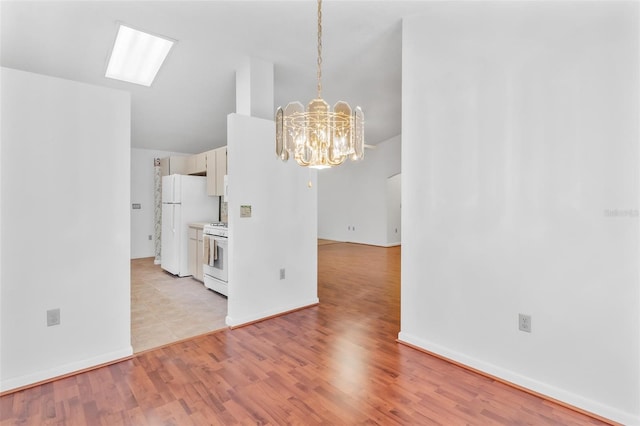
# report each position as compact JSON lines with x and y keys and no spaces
{"x":136,"y":206}
{"x":245,"y":211}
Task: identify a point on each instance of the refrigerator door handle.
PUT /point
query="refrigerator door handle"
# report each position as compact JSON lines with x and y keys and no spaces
{"x":173,"y":219}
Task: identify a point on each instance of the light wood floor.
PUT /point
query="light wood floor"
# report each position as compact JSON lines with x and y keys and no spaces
{"x":165,"y":309}
{"x":336,"y":363}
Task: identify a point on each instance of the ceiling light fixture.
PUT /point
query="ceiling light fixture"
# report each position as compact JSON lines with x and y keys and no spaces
{"x":137,"y":56}
{"x":318,"y":137}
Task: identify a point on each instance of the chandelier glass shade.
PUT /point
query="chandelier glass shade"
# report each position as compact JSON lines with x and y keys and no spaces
{"x":319,"y":137}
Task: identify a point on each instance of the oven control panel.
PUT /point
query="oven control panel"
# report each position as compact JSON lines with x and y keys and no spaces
{"x":216,"y":230}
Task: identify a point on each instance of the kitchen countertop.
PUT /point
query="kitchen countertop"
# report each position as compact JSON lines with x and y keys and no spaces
{"x":198,"y":225}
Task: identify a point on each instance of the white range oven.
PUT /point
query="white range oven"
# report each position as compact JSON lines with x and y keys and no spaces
{"x":215,"y":257}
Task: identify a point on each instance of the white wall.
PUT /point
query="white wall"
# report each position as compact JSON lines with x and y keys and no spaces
{"x":520,"y":135}
{"x":282,"y":231}
{"x":394,"y":209}
{"x":65,"y":226}
{"x":142,"y":220}
{"x":254,"y":88}
{"x":352,"y":198}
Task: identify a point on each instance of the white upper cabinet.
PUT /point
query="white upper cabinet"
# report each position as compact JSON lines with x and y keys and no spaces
{"x":197,"y":164}
{"x":173,"y":165}
{"x":216,"y":169}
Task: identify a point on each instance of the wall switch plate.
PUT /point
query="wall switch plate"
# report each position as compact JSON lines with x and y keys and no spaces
{"x":150,"y":238}
{"x":53,"y":317}
{"x":282,"y":273}
{"x":524,"y":323}
{"x":245,"y":211}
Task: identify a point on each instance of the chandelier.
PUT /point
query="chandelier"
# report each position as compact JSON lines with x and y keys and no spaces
{"x":318,"y":137}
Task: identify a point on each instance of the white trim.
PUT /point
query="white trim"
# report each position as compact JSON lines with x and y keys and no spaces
{"x":524,"y":381}
{"x":392,"y":244}
{"x":234,"y":322}
{"x":62,"y":370}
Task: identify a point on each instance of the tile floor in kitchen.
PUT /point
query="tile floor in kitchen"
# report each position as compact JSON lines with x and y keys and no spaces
{"x":165,"y":309}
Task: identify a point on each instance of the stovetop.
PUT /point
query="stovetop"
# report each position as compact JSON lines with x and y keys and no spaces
{"x":218,"y":224}
{"x":216,"y":228}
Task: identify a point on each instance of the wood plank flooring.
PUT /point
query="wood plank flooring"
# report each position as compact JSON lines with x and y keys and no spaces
{"x":336,"y":363}
{"x":322,"y":242}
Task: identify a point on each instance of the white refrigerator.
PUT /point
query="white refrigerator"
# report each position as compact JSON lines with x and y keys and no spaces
{"x":184,"y":200}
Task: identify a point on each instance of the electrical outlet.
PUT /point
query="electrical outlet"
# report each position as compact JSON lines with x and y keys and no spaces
{"x":282,"y":273}
{"x":524,"y":323}
{"x":53,"y":317}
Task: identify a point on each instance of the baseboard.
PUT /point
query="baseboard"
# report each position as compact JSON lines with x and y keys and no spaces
{"x":372,"y":244}
{"x":395,"y":244}
{"x":242,"y":322}
{"x":29,"y":380}
{"x":562,"y":397}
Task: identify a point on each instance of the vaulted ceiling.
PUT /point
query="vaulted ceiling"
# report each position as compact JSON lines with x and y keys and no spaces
{"x":185,"y":109}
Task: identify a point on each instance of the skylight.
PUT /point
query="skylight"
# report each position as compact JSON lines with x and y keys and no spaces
{"x":137,"y":56}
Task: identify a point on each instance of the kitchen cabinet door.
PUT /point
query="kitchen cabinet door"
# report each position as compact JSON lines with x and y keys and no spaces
{"x":211,"y":172}
{"x":173,"y":166}
{"x":191,"y":164}
{"x":221,"y":169}
{"x":197,"y":164}
{"x":201,"y":163}
{"x":196,"y":253}
{"x":164,"y":166}
{"x":216,"y":169}
{"x":199,"y":256}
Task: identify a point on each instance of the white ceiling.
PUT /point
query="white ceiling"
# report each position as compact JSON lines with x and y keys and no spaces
{"x":185,"y":109}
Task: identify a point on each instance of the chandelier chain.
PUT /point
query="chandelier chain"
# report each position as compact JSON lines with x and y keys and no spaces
{"x":319,"y":49}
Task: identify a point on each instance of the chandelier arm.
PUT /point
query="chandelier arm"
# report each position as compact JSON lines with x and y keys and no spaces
{"x":301,"y":161}
{"x":319,"y":49}
{"x":338,"y":161}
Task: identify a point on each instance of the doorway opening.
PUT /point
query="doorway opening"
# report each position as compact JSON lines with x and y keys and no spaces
{"x":166,"y":309}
